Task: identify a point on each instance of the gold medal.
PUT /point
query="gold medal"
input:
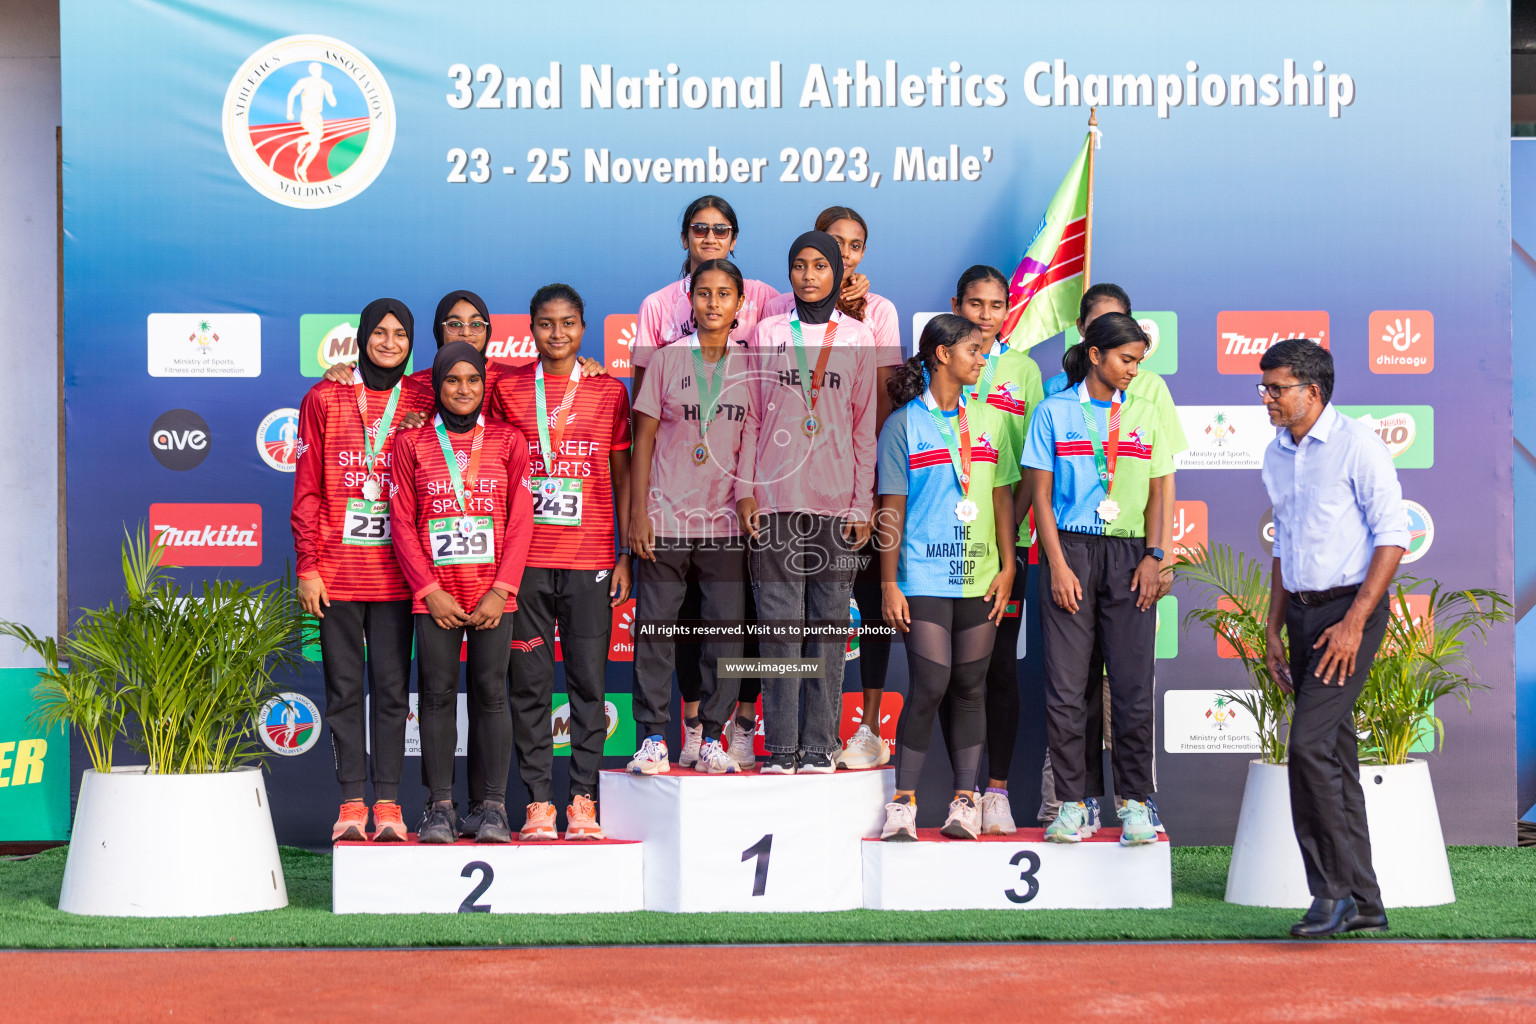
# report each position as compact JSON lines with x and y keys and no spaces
{"x":700,"y":454}
{"x":811,"y":425}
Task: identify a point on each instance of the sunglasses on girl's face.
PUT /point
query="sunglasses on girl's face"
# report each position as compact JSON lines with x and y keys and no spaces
{"x":702,"y":230}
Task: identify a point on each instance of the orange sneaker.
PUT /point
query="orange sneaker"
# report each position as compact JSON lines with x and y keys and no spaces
{"x":351,"y":824}
{"x":540,"y":824}
{"x":581,"y":820}
{"x":388,"y":826}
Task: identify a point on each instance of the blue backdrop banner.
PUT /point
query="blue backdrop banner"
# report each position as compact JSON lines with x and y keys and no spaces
{"x":241,"y":179}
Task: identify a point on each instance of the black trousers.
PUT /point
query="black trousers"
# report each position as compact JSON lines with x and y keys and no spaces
{"x":578,"y":600}
{"x":874,"y":650}
{"x":689,"y":654}
{"x":1127,"y":635}
{"x":721,"y":567}
{"x":1327,"y":803}
{"x":490,"y":721}
{"x":386,"y":626}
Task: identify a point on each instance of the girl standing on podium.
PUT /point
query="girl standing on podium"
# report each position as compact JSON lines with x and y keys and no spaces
{"x":1100,"y":458}
{"x":946,"y":556}
{"x":808,"y":451}
{"x":348,"y":576}
{"x":865,"y":748}
{"x":689,"y":415}
{"x":710,"y":231}
{"x":463,"y":517}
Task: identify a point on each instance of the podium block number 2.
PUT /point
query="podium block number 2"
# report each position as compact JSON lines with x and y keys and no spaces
{"x":469,"y":906}
{"x":760,"y":850}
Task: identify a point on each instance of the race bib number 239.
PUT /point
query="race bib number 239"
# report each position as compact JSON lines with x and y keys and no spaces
{"x":452,"y":545}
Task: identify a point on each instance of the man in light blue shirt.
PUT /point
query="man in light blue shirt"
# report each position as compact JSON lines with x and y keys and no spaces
{"x":1340,"y":530}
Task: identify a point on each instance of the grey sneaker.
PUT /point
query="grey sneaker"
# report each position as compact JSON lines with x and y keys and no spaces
{"x":996,"y":815}
{"x":693,"y":738}
{"x":437,"y":825}
{"x":494,"y":827}
{"x":469,"y":825}
{"x":739,"y":741}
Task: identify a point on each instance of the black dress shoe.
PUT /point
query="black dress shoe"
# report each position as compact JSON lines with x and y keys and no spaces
{"x":1367,"y":921}
{"x":1325,"y":917}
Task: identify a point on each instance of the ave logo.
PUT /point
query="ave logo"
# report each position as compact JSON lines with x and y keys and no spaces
{"x":179,"y":439}
{"x":1243,"y":336}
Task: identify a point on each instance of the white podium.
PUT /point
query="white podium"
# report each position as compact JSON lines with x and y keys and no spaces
{"x":748,"y":842}
{"x":1017,"y":872}
{"x":490,"y":878}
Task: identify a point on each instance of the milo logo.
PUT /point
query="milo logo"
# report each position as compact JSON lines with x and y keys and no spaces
{"x":1408,"y":431}
{"x":1397,"y":431}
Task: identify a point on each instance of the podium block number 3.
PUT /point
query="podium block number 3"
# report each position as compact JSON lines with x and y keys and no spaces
{"x":1031,"y":860}
{"x":760,"y":850}
{"x":469,"y":906}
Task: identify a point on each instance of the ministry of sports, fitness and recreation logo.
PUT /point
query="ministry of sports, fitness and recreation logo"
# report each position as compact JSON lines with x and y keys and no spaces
{"x":277,"y":439}
{"x":342,"y":134}
{"x":289,"y":724}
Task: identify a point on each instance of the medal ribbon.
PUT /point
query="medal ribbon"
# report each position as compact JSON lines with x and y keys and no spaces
{"x":1105,"y":462}
{"x":959,"y":454}
{"x":461,"y":483}
{"x":810,"y":383}
{"x":373,"y":446}
{"x":562,"y":413}
{"x":709,"y":390}
{"x":984,"y":386}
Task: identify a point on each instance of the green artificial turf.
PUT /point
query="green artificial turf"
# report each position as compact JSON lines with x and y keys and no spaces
{"x":1495,"y":889}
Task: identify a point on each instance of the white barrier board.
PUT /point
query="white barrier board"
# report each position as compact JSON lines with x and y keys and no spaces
{"x":489,"y":878}
{"x":1017,"y":872}
{"x":748,"y":842}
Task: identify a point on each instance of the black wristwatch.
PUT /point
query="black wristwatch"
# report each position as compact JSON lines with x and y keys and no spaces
{"x":625,"y":550}
{"x":1156,"y":553}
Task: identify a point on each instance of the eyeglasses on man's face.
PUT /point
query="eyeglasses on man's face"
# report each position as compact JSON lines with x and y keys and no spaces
{"x":1275,"y":391}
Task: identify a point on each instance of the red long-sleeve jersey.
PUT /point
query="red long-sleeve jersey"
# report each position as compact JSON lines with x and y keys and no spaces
{"x":330,"y":472}
{"x":424,"y":493}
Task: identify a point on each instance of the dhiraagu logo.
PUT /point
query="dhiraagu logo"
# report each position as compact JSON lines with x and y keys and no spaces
{"x":1163,"y":329}
{"x":1408,"y":431}
{"x":619,"y":725}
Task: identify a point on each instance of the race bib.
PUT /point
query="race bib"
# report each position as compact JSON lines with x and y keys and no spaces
{"x":367,"y":523}
{"x":455,"y":544}
{"x":556,"y":501}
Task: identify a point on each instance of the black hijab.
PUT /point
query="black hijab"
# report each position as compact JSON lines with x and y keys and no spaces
{"x":448,"y":303}
{"x":450,"y":354}
{"x":819,"y":312}
{"x":376,"y":377}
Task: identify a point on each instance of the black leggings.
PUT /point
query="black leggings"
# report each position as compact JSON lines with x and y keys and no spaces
{"x":948,"y":649}
{"x":490,"y":718}
{"x":874,"y":651}
{"x":1002,"y":687}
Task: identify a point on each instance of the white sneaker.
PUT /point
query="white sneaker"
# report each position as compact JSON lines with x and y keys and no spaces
{"x":996,"y":815}
{"x":964,"y":821}
{"x":863,"y":750}
{"x":740,"y":741}
{"x":713,"y":760}
{"x":692,"y":738}
{"x":650,"y":759}
{"x":885,"y":752}
{"x":900,"y":823}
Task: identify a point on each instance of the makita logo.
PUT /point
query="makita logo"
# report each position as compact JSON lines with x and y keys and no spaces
{"x":195,"y":534}
{"x":511,"y":340}
{"x":1243,"y":336}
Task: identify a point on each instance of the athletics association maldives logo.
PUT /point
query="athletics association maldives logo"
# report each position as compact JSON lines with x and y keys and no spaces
{"x":277,"y":439}
{"x":290,"y":724}
{"x":1421,"y":531}
{"x":308,"y":121}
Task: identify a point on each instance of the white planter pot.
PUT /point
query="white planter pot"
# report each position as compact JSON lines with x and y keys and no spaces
{"x":172,"y":846}
{"x":1407,"y":846}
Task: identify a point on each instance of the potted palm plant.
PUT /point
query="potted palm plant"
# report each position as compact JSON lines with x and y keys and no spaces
{"x":1423,"y":659}
{"x":179,"y":676}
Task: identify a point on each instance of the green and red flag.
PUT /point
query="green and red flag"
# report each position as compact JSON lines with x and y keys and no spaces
{"x":1048,"y":285}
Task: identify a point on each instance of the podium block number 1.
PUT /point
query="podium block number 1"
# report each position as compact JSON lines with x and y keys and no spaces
{"x":760,"y":850}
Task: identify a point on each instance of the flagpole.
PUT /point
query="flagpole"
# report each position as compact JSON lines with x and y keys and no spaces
{"x":1093,"y":123}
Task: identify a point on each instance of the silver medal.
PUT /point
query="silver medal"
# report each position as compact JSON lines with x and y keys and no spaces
{"x":372,"y":489}
{"x":466,"y":525}
{"x":1108,"y":509}
{"x":967,"y":510}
